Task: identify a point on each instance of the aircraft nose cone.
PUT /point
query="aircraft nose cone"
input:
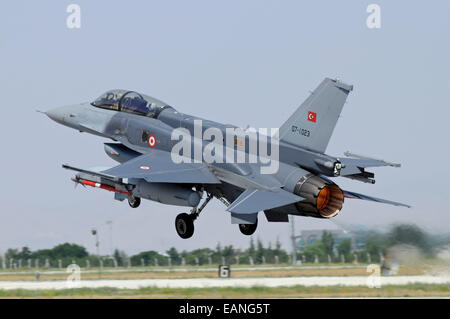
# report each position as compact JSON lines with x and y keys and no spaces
{"x":56,"y":115}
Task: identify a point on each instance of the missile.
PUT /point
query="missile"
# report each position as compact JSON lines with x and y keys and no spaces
{"x":102,"y":186}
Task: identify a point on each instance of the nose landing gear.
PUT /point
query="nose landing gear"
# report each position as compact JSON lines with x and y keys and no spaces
{"x":184,"y":223}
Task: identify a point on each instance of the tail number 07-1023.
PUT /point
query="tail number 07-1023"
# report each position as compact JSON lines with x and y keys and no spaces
{"x":301,"y":131}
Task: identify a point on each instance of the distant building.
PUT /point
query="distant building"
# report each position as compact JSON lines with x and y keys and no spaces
{"x":308,"y":237}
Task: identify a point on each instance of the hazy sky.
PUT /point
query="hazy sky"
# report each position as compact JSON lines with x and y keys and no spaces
{"x":240,"y":62}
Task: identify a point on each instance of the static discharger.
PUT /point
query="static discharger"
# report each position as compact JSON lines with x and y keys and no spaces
{"x":98,"y":185}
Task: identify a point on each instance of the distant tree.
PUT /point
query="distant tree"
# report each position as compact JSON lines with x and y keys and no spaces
{"x":328,"y":242}
{"x":410,"y":235}
{"x":344,"y":248}
{"x":228,"y":251}
{"x":116,"y":256}
{"x":315,"y":249}
{"x":202,"y":254}
{"x":68,"y":250}
{"x":174,"y":256}
{"x":277,"y":246}
{"x":149,"y":258}
{"x":278,"y":251}
{"x":259,"y":251}
{"x":25,"y":253}
{"x":376,"y":244}
{"x":12,"y":254}
{"x":42,"y":254}
{"x":251,"y":249}
{"x":218,"y":248}
{"x":123,"y":256}
{"x":120,"y":257}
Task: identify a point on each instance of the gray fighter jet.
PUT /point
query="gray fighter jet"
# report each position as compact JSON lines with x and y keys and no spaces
{"x":147,"y":134}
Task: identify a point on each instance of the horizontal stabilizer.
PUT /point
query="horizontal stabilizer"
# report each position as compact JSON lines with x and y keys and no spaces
{"x":348,"y":194}
{"x":253,"y":200}
{"x":356,"y":165}
{"x":369,"y":159}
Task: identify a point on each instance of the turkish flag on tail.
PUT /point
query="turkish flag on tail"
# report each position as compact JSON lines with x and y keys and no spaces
{"x":312,"y":117}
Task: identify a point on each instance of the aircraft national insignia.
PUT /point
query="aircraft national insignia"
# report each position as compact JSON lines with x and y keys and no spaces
{"x":152,"y":141}
{"x":312,"y":117}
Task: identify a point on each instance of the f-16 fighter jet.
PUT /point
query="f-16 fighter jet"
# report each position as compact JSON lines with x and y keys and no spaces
{"x":180,"y":159}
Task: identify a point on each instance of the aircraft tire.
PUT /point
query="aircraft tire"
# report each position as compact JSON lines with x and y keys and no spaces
{"x":134,"y":202}
{"x":248,"y":229}
{"x":184,"y":225}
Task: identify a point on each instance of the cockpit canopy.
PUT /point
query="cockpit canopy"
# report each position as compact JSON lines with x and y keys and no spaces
{"x":131,"y":102}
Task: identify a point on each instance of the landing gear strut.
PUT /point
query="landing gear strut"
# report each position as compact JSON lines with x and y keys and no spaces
{"x":134,"y":201}
{"x":248,"y":229}
{"x":184,"y":223}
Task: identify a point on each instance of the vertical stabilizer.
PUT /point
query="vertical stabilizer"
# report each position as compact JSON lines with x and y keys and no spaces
{"x":312,"y":124}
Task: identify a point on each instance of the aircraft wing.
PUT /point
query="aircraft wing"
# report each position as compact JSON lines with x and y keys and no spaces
{"x":254,"y":200}
{"x":158,"y":167}
{"x":349,"y":194}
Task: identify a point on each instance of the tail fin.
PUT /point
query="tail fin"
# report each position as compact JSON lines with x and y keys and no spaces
{"x":313,"y":122}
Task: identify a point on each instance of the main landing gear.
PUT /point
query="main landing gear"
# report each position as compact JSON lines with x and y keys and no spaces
{"x":248,"y":229}
{"x":134,"y":202}
{"x":184,"y":223}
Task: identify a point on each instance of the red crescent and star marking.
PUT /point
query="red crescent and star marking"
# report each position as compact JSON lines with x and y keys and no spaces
{"x":312,"y":117}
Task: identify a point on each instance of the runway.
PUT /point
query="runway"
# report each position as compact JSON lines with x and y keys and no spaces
{"x":231,"y":282}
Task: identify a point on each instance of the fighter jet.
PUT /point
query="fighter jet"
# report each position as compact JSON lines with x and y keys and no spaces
{"x":162,"y":157}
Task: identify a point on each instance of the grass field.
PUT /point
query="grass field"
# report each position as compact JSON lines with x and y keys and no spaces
{"x":414,"y":290}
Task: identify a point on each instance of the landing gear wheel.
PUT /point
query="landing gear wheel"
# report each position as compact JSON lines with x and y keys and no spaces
{"x":248,"y":229}
{"x":134,"y":201}
{"x":184,"y":224}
